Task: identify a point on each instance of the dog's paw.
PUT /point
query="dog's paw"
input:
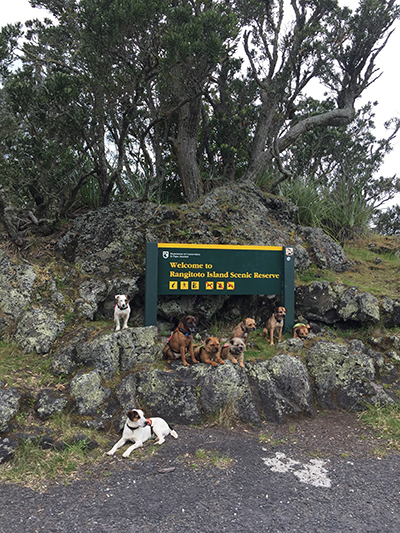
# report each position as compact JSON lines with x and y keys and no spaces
{"x":126,"y":454}
{"x":110,"y":452}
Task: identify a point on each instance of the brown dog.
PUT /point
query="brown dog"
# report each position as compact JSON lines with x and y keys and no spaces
{"x":233,"y":350}
{"x":274,"y":325}
{"x":208,"y":352}
{"x":181,"y":341}
{"x":243,"y":330}
{"x":300,"y":331}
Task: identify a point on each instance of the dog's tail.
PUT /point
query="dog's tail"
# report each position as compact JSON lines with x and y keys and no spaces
{"x":174,"y":433}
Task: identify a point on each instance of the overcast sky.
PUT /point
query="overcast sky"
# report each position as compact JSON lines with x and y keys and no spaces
{"x":385,"y":90}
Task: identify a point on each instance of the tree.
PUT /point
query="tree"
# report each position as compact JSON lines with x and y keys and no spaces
{"x":334,"y":172}
{"x":325,"y":43}
{"x":128,"y":95}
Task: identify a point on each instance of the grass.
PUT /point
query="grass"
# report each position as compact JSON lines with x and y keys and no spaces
{"x":25,"y":369}
{"x":205,"y":458}
{"x":375,"y":267}
{"x":385,"y":420}
{"x":34,"y":467}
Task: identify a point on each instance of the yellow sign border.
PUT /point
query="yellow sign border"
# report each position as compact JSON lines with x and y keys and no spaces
{"x":219,"y":246}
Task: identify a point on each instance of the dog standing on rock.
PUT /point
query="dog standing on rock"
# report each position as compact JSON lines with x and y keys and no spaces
{"x":122,"y":311}
{"x":274,"y":325}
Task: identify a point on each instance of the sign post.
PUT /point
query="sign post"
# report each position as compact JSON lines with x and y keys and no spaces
{"x":210,"y":269}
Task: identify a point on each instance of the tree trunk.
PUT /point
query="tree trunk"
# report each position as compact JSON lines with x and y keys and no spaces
{"x":186,"y":149}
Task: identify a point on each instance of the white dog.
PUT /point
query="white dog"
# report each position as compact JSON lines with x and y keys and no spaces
{"x":138,"y":429}
{"x":122,"y":311}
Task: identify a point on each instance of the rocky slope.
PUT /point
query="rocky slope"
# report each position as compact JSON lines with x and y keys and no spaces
{"x":53,"y":295}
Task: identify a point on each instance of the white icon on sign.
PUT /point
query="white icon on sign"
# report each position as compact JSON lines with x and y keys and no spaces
{"x":165,"y":254}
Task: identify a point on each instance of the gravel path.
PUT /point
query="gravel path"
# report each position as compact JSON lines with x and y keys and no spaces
{"x":315,"y":476}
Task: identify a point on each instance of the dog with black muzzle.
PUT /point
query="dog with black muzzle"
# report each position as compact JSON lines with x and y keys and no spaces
{"x":181,"y":341}
{"x":138,"y":429}
{"x":208,"y":352}
{"x":301,"y":331}
{"x":274,"y":325}
{"x":122,"y":311}
{"x":234,"y":351}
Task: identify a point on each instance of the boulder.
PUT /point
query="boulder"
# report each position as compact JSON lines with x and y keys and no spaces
{"x":282,"y":388}
{"x":330,"y":303}
{"x":342,"y":375}
{"x":38,"y":329}
{"x":222,"y":388}
{"x":88,"y":392}
{"x":16,"y":285}
{"x":323,"y":250}
{"x":8,"y":446}
{"x":50,"y":402}
{"x":9,"y":405}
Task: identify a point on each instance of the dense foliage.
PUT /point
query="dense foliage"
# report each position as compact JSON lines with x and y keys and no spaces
{"x":115,"y":99}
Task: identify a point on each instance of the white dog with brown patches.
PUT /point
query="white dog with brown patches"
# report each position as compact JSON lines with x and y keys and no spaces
{"x":138,"y":429}
{"x":122,"y":311}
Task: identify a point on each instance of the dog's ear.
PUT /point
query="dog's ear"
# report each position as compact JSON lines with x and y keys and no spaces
{"x":128,"y":299}
{"x":131,"y":415}
{"x":308,"y":326}
{"x":207,"y":340}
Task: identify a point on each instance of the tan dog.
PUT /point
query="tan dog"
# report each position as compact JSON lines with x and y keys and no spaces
{"x":301,"y":331}
{"x":274,"y":325}
{"x":208,"y":352}
{"x":243,"y":330}
{"x":234,"y":351}
{"x":181,"y":341}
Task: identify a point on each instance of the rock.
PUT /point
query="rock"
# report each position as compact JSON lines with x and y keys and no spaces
{"x":49,"y":402}
{"x":334,"y":302}
{"x":84,"y":441}
{"x":8,"y":446}
{"x":9,"y":405}
{"x":342,"y":377}
{"x":110,"y":352}
{"x":224,"y":388}
{"x":16,"y":285}
{"x":88,"y":393}
{"x":38,"y":329}
{"x":91,"y":293}
{"x":171,"y":395}
{"x":324,"y":251}
{"x":272,"y":383}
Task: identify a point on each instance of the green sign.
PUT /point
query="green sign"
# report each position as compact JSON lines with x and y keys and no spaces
{"x":178,"y":269}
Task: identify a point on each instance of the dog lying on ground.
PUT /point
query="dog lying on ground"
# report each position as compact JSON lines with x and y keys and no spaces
{"x":274,"y":325}
{"x":122,"y":311}
{"x":181,"y":341}
{"x":208,"y":352}
{"x":234,"y":351}
{"x":138,"y":429}
{"x":301,"y":331}
{"x":243,"y":330}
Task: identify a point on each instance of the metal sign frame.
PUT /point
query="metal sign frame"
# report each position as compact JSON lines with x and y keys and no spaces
{"x":210,"y":269}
